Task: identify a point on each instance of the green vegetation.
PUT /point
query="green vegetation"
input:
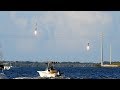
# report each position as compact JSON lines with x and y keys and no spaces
{"x":116,"y":63}
{"x":43,"y":64}
{"x":97,"y":65}
{"x":58,"y":64}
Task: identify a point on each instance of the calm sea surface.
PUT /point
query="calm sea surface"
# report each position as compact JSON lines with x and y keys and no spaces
{"x":71,"y":72}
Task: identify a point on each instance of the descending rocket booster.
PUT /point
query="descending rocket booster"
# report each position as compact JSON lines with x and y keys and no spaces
{"x":88,"y":47}
{"x":35,"y":32}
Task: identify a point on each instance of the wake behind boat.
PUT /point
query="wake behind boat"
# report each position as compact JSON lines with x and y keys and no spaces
{"x":50,"y":71}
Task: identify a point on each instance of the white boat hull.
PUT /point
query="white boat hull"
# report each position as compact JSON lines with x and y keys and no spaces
{"x":7,"y":67}
{"x":47,"y":74}
{"x":106,"y":65}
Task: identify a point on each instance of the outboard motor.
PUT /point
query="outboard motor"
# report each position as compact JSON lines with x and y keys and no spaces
{"x":1,"y":67}
{"x":59,"y":73}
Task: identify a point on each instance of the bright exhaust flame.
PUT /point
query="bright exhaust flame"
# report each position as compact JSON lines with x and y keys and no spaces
{"x":88,"y":48}
{"x":35,"y":32}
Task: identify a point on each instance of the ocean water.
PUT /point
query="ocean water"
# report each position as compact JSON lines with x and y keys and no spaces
{"x":68,"y":72}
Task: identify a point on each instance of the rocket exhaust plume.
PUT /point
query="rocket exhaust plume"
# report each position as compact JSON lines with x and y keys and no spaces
{"x":88,"y":47}
{"x":35,"y":32}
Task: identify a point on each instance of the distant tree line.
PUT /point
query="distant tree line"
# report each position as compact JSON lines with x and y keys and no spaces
{"x":58,"y":64}
{"x":44,"y":64}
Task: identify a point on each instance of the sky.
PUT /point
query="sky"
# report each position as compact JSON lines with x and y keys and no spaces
{"x":61,"y":35}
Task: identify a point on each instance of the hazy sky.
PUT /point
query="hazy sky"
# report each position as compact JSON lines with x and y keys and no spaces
{"x":62,"y":35}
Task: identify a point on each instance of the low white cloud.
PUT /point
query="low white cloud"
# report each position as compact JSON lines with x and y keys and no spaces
{"x":64,"y":24}
{"x":72,"y":24}
{"x":71,"y":30}
{"x":68,"y":29}
{"x":21,"y":22}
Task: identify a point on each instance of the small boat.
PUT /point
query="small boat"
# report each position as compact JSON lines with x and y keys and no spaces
{"x":50,"y":71}
{"x":4,"y":67}
{"x":7,"y":67}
